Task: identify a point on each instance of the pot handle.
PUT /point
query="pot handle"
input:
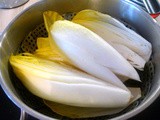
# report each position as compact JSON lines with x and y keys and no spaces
{"x":26,"y":116}
{"x":22,"y":116}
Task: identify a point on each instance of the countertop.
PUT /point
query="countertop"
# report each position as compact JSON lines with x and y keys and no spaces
{"x":7,"y":15}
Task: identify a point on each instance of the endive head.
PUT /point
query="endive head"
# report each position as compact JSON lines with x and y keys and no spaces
{"x":92,"y":15}
{"x":50,"y":17}
{"x":42,"y":43}
{"x":88,"y":14}
{"x":115,"y":32}
{"x":50,"y":53}
{"x":57,"y":83}
{"x":46,"y":45}
{"x":66,"y":81}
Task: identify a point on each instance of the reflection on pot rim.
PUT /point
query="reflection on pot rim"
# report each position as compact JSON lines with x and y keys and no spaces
{"x":34,"y":14}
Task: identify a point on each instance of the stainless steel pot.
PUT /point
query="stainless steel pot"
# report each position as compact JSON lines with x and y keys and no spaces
{"x":29,"y":19}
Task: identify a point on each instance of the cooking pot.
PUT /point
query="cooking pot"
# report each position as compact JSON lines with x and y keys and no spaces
{"x":130,"y":14}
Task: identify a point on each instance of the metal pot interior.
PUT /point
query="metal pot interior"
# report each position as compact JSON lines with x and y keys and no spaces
{"x":28,"y":20}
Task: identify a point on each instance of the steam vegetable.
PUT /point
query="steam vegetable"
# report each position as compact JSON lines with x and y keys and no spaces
{"x":45,"y":51}
{"x":64,"y":84}
{"x":79,"y":69}
{"x":95,"y":56}
{"x":83,"y":112}
{"x":114,"y":32}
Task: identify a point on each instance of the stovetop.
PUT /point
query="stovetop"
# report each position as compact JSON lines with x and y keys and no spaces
{"x":9,"y":111}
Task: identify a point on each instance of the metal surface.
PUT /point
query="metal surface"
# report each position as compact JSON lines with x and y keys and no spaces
{"x":21,"y":26}
{"x":23,"y":115}
{"x":152,"y":6}
{"x":8,"y":4}
{"x":138,"y":2}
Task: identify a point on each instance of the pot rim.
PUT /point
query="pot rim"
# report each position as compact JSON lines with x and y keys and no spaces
{"x":36,"y":114}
